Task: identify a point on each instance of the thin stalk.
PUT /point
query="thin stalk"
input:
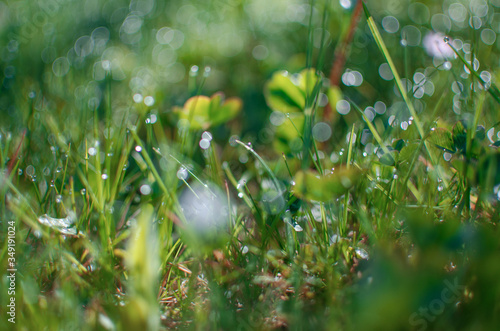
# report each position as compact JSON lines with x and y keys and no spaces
{"x":346,"y":197}
{"x":397,"y":79}
{"x":492,"y":89}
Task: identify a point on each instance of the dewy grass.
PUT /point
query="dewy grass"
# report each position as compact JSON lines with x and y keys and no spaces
{"x":94,"y":216}
{"x":397,"y":79}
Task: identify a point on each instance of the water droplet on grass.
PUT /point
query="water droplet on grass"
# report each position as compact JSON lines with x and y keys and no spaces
{"x":362,"y":254}
{"x":204,"y":143}
{"x":63,"y":225}
{"x":182,"y":173}
{"x":207,"y":71}
{"x":193,"y":72}
{"x":145,"y":189}
{"x":334,"y":239}
{"x":30,"y":170}
{"x":149,"y":101}
{"x":322,"y":131}
{"x":207,"y":136}
{"x":298,"y":228}
{"x":137,"y":98}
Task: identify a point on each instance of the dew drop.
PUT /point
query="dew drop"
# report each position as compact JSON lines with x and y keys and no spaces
{"x":145,"y":189}
{"x":207,"y":71}
{"x":182,"y":173}
{"x":149,"y":101}
{"x":30,"y":170}
{"x":137,"y":98}
{"x":46,"y":171}
{"x":193,"y":71}
{"x":204,"y":143}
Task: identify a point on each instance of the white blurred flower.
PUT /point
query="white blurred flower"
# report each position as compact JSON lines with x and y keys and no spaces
{"x":435,"y":46}
{"x":205,"y":208}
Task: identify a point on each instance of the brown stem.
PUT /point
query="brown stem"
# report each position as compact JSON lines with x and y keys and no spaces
{"x":341,"y":53}
{"x":14,"y":157}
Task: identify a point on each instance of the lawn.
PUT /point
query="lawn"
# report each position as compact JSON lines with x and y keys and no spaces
{"x":249,"y":165}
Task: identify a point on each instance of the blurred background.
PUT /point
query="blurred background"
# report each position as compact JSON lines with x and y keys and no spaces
{"x":65,"y":50}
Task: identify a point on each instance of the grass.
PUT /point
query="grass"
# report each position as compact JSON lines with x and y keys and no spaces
{"x":135,"y":204}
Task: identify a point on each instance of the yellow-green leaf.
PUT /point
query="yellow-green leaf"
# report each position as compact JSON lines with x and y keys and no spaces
{"x":289,"y":133}
{"x":308,"y":80}
{"x":284,"y":95}
{"x":202,"y":112}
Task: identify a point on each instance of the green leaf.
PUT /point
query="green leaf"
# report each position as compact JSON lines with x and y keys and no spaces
{"x":334,"y":94}
{"x":202,"y":112}
{"x":310,"y":185}
{"x":407,"y":152}
{"x":308,"y":80}
{"x":387,"y":155}
{"x":480,"y":133}
{"x":443,"y":139}
{"x":287,"y":94}
{"x":459,"y":136}
{"x":398,"y":144}
{"x":288,"y":134}
{"x":465,"y":171}
{"x":488,"y":170}
{"x":227,"y":111}
{"x":387,"y":159}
